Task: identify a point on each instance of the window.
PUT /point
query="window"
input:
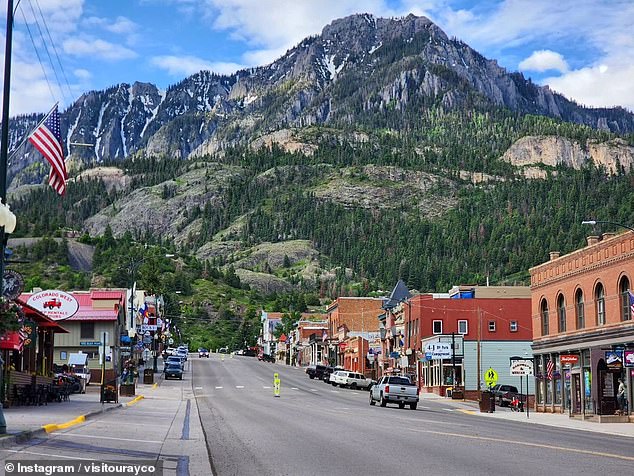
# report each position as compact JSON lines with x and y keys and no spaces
{"x":491,"y":326}
{"x":513,"y":326}
{"x":437,"y":327}
{"x":63,"y":355}
{"x":561,"y":313}
{"x":579,"y":309}
{"x":87,"y":330}
{"x":463,"y":327}
{"x":599,"y":297}
{"x":624,"y":288}
{"x":544,"y":316}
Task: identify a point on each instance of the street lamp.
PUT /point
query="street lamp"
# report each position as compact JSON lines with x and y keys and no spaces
{"x":594,"y":222}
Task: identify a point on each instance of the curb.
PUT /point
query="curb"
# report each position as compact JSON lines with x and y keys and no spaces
{"x":26,"y":436}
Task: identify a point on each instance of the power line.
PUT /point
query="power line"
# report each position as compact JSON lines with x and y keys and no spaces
{"x":55,"y":51}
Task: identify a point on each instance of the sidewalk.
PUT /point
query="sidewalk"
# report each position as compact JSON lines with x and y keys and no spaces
{"x":551,"y":419}
{"x":27,"y":421}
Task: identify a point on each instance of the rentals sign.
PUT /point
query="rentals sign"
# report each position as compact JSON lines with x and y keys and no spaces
{"x":521,"y":367}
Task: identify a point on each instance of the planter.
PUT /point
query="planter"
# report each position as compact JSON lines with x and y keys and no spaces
{"x":109,"y":394}
{"x":127,"y":390}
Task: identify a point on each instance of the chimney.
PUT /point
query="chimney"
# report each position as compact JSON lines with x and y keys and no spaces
{"x":607,"y":236}
{"x":554,"y":255}
{"x":593,"y":240}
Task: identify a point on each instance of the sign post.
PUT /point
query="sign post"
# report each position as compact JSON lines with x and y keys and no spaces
{"x":522,"y":366}
{"x":276,"y":385}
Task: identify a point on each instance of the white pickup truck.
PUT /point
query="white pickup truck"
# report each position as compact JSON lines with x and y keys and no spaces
{"x":395,"y":389}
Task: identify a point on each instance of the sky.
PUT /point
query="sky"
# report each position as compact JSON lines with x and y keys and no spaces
{"x":583,"y":49}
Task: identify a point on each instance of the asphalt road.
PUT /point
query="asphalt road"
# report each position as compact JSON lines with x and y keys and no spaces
{"x":316,"y":429}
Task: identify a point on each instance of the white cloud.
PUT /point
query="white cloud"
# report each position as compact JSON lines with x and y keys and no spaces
{"x":544,"y":60}
{"x":82,"y":74}
{"x":188,"y":65}
{"x":598,"y":86}
{"x":99,"y":48}
{"x":120,"y":26}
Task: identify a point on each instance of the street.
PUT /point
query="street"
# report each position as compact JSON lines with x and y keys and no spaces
{"x":223,"y":418}
{"x":314,"y":428}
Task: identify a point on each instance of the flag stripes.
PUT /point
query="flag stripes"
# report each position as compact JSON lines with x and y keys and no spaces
{"x":47,"y":140}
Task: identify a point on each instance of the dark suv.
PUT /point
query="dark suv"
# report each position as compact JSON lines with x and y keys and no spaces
{"x":504,"y":394}
{"x":316,"y":371}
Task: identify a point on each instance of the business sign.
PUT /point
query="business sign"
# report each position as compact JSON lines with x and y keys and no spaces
{"x":628,"y":358}
{"x":569,"y":359}
{"x":148,"y":328}
{"x":56,"y":305}
{"x":13,"y":284}
{"x":438,"y":351}
{"x":521,"y":367}
{"x":614,"y":359}
{"x":90,"y":343}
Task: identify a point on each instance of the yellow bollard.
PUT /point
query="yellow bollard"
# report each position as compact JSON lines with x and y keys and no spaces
{"x":276,"y":385}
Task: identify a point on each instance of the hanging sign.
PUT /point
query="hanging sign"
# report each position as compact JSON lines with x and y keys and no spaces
{"x":521,"y":367}
{"x":56,"y":305}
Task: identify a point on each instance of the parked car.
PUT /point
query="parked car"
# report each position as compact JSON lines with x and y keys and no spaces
{"x":503,"y":394}
{"x":223,"y":350}
{"x":328,"y":373}
{"x":203,"y":353}
{"x":350,"y":379}
{"x":182,"y":354}
{"x":399,"y":390}
{"x":173,"y":371}
{"x":316,"y":371}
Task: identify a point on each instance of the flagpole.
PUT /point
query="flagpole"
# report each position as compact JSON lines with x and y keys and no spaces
{"x":4,"y":148}
{"x":26,"y":137}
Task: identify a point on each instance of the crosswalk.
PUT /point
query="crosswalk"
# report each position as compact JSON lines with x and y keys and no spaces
{"x":268,"y":387}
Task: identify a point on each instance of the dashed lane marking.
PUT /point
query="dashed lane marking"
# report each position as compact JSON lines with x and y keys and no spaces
{"x":217,"y":388}
{"x":239,"y":386}
{"x":294,"y":388}
{"x":198,"y":388}
{"x":266,"y":388}
{"x":313,"y":389}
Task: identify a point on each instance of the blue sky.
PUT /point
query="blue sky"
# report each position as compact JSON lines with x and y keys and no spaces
{"x":581,"y":48}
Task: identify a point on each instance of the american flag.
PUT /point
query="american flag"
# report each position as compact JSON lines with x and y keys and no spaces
{"x":47,"y":138}
{"x":550,"y":366}
{"x":631,"y":296}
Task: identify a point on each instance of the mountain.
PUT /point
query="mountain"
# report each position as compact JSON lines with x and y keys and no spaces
{"x":380,"y":149}
{"x":361,"y":73}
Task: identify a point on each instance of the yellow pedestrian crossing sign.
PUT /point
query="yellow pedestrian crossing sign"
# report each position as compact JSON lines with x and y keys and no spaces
{"x":490,"y":377}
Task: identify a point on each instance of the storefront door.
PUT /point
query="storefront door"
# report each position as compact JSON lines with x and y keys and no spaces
{"x":576,"y":393}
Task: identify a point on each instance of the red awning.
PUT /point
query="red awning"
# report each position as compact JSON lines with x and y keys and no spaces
{"x":39,"y":318}
{"x":11,"y":341}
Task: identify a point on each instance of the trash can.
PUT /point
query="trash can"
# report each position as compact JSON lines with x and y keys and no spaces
{"x":487,"y":402}
{"x":148,"y":376}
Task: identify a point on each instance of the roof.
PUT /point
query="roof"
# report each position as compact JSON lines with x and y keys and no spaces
{"x":399,"y":294}
{"x":107,"y":294}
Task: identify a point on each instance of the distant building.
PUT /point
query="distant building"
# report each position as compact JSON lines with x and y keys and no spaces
{"x":583,"y":328}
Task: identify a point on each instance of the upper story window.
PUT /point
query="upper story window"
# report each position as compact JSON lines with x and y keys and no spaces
{"x":580,"y":309}
{"x":87,"y":330}
{"x":437,"y":327}
{"x":599,"y":298}
{"x":491,"y":326}
{"x":561,"y":313}
{"x":513,"y":326}
{"x":463,"y":327}
{"x":543,"y":311}
{"x":624,"y":294}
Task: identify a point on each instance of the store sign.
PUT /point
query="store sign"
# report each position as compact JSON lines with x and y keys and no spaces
{"x":56,"y":305}
{"x":438,"y":351}
{"x":90,"y":343}
{"x":521,"y":367}
{"x":614,"y":359}
{"x":628,"y":358}
{"x":569,"y":359}
{"x":148,"y":328}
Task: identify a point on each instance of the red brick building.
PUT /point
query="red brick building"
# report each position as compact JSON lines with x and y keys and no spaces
{"x":351,"y":318}
{"x":489,"y":324}
{"x":581,"y":315}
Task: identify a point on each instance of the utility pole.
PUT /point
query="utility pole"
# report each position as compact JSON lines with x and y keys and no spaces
{"x":453,"y":360}
{"x":478,"y":352}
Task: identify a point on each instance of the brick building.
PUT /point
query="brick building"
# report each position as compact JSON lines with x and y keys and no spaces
{"x":489,"y":324}
{"x":583,"y":328}
{"x":348,"y":319}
